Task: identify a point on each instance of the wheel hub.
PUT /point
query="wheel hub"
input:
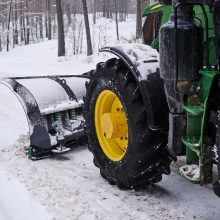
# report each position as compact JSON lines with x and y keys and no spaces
{"x":114,"y":125}
{"x":111,"y":125}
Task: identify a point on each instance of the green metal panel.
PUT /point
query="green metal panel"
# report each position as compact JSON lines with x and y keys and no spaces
{"x":199,"y":18}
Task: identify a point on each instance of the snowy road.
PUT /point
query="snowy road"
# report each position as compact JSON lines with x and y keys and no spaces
{"x":70,"y":187}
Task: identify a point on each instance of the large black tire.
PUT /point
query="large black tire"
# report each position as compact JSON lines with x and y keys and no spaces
{"x":147,"y":156}
{"x":213,"y":132}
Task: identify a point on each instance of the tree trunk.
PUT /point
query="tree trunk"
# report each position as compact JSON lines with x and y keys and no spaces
{"x":28,"y":23}
{"x":68,"y":12}
{"x":61,"y":37}
{"x":9,"y":21}
{"x":116,"y":19}
{"x":74,"y":8}
{"x":0,"y":43}
{"x":49,"y":20}
{"x":88,"y":35}
{"x":46,"y":19}
{"x":108,"y":8}
{"x":16,"y":25}
{"x":24,"y":28}
{"x":139,"y":19}
{"x":21,"y":14}
{"x":94,"y":10}
{"x":41,"y":27}
{"x":104,"y":8}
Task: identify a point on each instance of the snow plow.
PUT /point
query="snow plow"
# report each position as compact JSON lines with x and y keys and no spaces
{"x":144,"y":108}
{"x":53,"y":107}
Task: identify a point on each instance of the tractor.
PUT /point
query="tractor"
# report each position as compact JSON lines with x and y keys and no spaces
{"x":154,"y":102}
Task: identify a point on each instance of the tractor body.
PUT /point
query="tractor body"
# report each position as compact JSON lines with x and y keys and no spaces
{"x":182,"y":92}
{"x":189,"y":68}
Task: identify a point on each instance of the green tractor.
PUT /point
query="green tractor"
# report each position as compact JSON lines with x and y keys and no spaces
{"x":142,"y":110}
{"x":156,"y":101}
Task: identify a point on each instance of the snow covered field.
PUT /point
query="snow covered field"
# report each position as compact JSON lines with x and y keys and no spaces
{"x":69,"y":187}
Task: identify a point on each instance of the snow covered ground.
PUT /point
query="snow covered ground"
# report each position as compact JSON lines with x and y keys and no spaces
{"x":69,"y":187}
{"x":16,"y":202}
{"x":41,"y":58}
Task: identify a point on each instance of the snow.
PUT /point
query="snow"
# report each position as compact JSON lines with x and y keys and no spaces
{"x":61,"y":107}
{"x":215,"y":152}
{"x":145,"y":58}
{"x":69,"y":186}
{"x":41,"y":58}
{"x":16,"y":202}
{"x":192,"y":171}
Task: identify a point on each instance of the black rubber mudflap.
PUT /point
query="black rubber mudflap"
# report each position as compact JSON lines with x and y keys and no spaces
{"x":147,"y":156}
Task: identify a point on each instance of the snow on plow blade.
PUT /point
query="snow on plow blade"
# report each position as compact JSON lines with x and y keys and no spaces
{"x":53,"y":106}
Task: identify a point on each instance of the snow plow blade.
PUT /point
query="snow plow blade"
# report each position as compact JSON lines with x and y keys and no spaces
{"x":53,"y":107}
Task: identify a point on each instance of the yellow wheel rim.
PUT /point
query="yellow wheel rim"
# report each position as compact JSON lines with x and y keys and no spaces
{"x":111,"y":125}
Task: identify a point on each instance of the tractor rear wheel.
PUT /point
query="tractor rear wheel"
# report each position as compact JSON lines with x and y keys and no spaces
{"x":127,"y":152}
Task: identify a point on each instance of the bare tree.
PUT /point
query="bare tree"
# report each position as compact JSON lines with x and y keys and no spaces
{"x":21,"y":23}
{"x":9,"y":20}
{"x":116,"y":19}
{"x":49,"y":20}
{"x":61,"y":37}
{"x":139,"y":19}
{"x":68,"y":11}
{"x":0,"y":43}
{"x":27,"y":22}
{"x":41,"y":20}
{"x":104,"y":8}
{"x":16,"y":25}
{"x":88,"y":35}
{"x":94,"y":10}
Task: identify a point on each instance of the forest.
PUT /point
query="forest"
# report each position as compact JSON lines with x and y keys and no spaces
{"x":24,"y":22}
